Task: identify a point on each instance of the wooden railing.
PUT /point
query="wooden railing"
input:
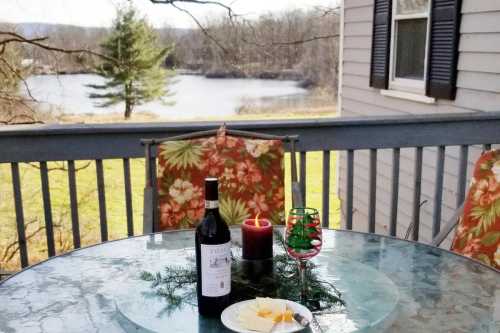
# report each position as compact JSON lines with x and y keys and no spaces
{"x":41,"y":144}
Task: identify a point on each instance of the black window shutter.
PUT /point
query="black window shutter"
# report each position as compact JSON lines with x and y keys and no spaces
{"x":443,"y":51}
{"x":381,"y":41}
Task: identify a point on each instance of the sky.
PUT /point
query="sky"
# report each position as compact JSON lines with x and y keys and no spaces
{"x":101,"y":12}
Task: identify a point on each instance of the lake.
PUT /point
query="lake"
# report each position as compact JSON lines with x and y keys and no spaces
{"x":192,"y":95}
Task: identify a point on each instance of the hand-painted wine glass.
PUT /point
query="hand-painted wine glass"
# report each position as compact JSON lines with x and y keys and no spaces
{"x":303,"y":240}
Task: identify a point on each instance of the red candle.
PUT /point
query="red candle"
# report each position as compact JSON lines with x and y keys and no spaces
{"x":257,"y":238}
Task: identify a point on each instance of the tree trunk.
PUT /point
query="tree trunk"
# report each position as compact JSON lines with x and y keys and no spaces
{"x":128,"y":101}
{"x":128,"y":108}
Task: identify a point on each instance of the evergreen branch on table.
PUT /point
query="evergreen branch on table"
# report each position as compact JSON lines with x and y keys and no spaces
{"x":177,"y":284}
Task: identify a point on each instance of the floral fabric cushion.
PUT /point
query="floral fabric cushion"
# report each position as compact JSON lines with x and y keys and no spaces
{"x":250,"y":176}
{"x":478,"y":232}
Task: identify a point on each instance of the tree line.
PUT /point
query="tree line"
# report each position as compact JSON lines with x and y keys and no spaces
{"x":292,"y":44}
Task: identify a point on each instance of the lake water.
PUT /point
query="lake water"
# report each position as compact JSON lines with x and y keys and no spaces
{"x":193,"y":95}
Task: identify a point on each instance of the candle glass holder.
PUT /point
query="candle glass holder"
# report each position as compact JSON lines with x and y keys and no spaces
{"x":303,"y":239}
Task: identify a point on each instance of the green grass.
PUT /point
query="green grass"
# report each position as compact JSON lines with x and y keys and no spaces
{"x":88,"y":207}
{"x":314,"y":185}
{"x":115,"y":204}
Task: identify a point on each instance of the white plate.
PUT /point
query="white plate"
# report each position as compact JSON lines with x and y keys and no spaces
{"x":229,"y":318}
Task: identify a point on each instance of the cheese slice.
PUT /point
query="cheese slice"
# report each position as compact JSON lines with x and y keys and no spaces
{"x":251,"y":321}
{"x":263,"y":314}
{"x":276,"y":306}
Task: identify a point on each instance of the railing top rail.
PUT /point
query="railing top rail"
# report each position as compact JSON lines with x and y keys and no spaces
{"x":63,"y":129}
{"x":22,"y":143}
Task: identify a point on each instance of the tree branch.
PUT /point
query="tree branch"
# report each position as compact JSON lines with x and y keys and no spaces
{"x":12,"y":99}
{"x":16,"y":74}
{"x":304,"y":41}
{"x":62,"y":167}
{"x":6,"y":257}
{"x":9,"y":37}
{"x":229,"y":10}
{"x":37,"y":42}
{"x":198,"y":23}
{"x":326,"y":11}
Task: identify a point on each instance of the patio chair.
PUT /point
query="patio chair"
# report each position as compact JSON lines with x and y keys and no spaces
{"x":216,"y":145}
{"x":478,"y":218}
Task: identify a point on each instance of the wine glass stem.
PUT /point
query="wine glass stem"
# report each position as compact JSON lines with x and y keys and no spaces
{"x":302,"y":264}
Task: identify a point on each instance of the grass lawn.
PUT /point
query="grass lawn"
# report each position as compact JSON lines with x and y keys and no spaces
{"x":115,"y":203}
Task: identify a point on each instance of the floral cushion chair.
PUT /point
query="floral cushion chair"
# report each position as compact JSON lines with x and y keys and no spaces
{"x":250,"y":173}
{"x":478,"y":231}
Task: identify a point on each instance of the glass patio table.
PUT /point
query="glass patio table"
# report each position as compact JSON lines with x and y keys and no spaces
{"x":389,"y":285}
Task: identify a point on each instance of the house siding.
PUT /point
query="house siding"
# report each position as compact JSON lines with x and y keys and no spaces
{"x":478,"y":89}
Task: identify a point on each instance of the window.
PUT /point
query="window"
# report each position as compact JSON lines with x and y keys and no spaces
{"x":415,"y":48}
{"x":409,"y":40}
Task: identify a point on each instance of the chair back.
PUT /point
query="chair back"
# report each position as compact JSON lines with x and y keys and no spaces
{"x":249,"y":166}
{"x":478,"y":231}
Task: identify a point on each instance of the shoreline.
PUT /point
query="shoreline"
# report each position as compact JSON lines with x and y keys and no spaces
{"x":283,"y":75}
{"x":317,"y":109}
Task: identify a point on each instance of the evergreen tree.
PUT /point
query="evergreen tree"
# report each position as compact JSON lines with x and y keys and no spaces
{"x":136,"y":75}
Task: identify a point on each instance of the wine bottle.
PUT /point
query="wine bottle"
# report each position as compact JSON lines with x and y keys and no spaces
{"x":213,"y":256}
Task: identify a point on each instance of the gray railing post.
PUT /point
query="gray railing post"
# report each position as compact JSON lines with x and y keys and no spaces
{"x":349,"y":188}
{"x":438,"y":191}
{"x":326,"y":189}
{"x":394,"y":191}
{"x":47,"y":208}
{"x":101,"y":193}
{"x":128,"y":197}
{"x":73,"y":199}
{"x":462,"y":174}
{"x":148,"y":195}
{"x":18,"y":204}
{"x":372,"y":200}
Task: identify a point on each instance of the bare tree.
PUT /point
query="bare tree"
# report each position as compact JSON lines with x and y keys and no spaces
{"x":16,"y":108}
{"x":233,"y":17}
{"x":296,"y":42}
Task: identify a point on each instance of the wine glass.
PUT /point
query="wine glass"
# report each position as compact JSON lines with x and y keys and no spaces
{"x":303,"y":240}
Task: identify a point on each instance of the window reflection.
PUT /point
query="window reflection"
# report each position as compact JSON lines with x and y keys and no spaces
{"x":410,"y":48}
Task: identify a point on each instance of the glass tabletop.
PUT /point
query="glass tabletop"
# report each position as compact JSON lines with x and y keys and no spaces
{"x":388,"y":284}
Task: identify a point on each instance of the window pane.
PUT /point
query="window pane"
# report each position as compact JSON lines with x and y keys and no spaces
{"x":412,"y":6}
{"x":410,"y":48}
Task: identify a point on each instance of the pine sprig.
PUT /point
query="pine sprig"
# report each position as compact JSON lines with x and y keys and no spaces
{"x":177,"y":284}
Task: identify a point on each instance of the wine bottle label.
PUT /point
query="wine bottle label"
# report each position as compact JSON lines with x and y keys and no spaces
{"x":215,"y":269}
{"x":210,"y":204}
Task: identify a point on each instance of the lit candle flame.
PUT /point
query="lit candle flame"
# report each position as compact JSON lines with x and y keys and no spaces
{"x":257,"y":224}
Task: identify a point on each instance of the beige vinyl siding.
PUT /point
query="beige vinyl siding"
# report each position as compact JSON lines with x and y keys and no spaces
{"x":485,"y":21}
{"x":478,"y":89}
{"x":487,"y":82}
{"x":474,"y":6}
{"x":480,"y":42}
{"x":479,"y":62}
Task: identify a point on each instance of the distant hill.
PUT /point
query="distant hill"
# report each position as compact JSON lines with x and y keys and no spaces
{"x":33,"y":29}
